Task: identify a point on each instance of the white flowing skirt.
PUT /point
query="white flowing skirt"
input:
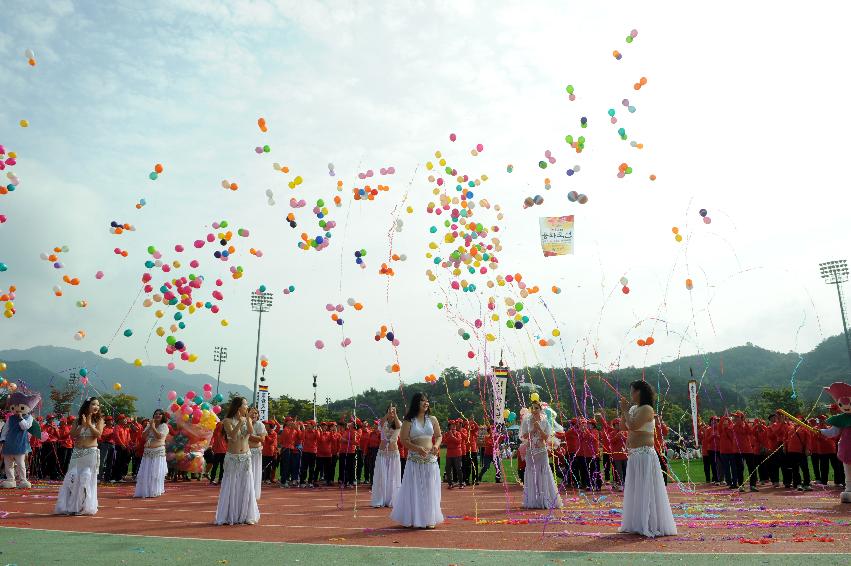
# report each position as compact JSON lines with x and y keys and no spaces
{"x":417,"y":502}
{"x":386,"y":478}
{"x":79,"y":492}
{"x":257,"y":469}
{"x":150,"y":481}
{"x":237,"y":502}
{"x":646,"y":509}
{"x":539,"y":487}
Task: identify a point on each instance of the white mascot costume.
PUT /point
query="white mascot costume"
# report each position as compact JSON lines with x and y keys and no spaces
{"x":15,"y":437}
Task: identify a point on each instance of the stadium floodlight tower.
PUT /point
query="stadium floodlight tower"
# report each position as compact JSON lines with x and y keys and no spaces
{"x":220,"y":354}
{"x":836,"y":273}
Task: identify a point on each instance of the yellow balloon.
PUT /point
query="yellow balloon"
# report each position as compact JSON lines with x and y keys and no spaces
{"x":556,"y":332}
{"x":193,"y":357}
{"x":224,"y":322}
{"x":117,"y":387}
{"x":2,"y":366}
{"x":137,"y":362}
{"x":535,"y":397}
{"x":24,"y":123}
{"x":505,"y":413}
{"x":160,"y":331}
{"x":159,"y":314}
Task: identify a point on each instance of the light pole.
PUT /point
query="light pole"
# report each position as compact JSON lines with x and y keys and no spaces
{"x":260,"y":302}
{"x":314,"y":396}
{"x":836,"y":273}
{"x":220,"y":354}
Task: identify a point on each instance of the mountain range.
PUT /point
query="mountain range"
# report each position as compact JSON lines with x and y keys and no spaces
{"x":41,"y":367}
{"x":728,"y":379}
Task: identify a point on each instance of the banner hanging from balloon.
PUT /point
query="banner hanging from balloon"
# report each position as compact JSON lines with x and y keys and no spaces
{"x":692,"y":397}
{"x":500,"y":383}
{"x":556,"y":235}
{"x":263,"y":403}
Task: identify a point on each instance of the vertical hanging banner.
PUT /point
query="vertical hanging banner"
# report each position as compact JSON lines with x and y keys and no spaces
{"x":556,"y":235}
{"x":263,"y":403}
{"x":692,"y":397}
{"x":500,"y":385}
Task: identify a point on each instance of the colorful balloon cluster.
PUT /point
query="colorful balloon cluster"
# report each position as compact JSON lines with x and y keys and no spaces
{"x":703,"y":214}
{"x":158,"y":169}
{"x":321,"y":241}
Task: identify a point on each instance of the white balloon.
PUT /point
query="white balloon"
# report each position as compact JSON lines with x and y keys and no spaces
{"x":269,"y":193}
{"x":29,"y":54}
{"x":225,"y":184}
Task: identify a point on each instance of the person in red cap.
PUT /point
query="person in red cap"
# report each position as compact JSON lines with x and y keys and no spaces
{"x":137,"y":443}
{"x":727,"y":452}
{"x":453,"y":442}
{"x":49,"y":453}
{"x":121,"y":437}
{"x":660,"y":443}
{"x":493,"y":444}
{"x":219,"y":445}
{"x":797,"y":443}
{"x":290,"y":456}
{"x":363,"y":449}
{"x":324,"y":445}
{"x":34,"y":463}
{"x":571,"y":453}
{"x":706,"y":436}
{"x":746,"y":442}
{"x":471,"y":474}
{"x":270,"y":451}
{"x":309,"y":441}
{"x":65,"y":444}
{"x":106,"y":445}
{"x":615,"y":441}
{"x":372,"y":444}
{"x":349,"y":441}
{"x":588,"y":456}
{"x":831,"y":449}
{"x":777,"y":458}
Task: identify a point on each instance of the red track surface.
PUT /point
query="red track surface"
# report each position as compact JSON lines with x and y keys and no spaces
{"x":713,"y":521}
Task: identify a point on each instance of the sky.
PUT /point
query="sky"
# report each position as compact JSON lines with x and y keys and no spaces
{"x":741,"y":115}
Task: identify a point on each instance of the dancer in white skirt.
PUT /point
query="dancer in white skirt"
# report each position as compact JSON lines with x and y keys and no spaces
{"x":417,"y":502}
{"x":237,"y":502}
{"x":79,"y":492}
{"x":255,"y":445}
{"x":388,"y":468}
{"x":539,"y":486}
{"x":646,"y":509}
{"x":150,"y":481}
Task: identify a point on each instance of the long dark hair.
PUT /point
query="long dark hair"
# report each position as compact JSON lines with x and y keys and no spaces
{"x":163,"y":419}
{"x":646,"y":395}
{"x":84,"y":409}
{"x":392,"y":425}
{"x":414,"y":407}
{"x":234,"y":407}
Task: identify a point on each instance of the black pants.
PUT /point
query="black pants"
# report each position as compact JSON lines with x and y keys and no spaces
{"x":453,"y":469}
{"x":663,"y":463}
{"x":107,"y":460}
{"x":710,"y":472}
{"x":308,"y":465}
{"x":797,"y":463}
{"x":472,"y":472}
{"x":334,"y":459}
{"x":284,"y":464}
{"x":487,"y":460}
{"x":728,"y":469}
{"x":522,"y":473}
{"x":359,"y":464}
{"x":347,"y":468}
{"x":589,"y":472}
{"x":136,"y":462}
{"x":268,"y":467}
{"x":122,"y":463}
{"x":371,"y":454}
{"x":838,"y":471}
{"x":619,"y":472}
{"x":403,"y":461}
{"x":323,"y":466}
{"x":218,"y":466}
{"x":751,"y":461}
{"x":607,"y":467}
{"x":50,"y":459}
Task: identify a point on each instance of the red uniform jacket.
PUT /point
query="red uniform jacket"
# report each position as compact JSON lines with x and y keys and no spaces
{"x":453,"y":443}
{"x":219,"y":443}
{"x":403,"y":450}
{"x":121,"y":436}
{"x":588,"y":440}
{"x":726,"y":437}
{"x":474,"y":436}
{"x":108,"y":434}
{"x":744,"y":438}
{"x":270,"y":444}
{"x":374,"y":438}
{"x":349,"y":440}
{"x":662,"y":431}
{"x":363,"y":439}
{"x":797,"y":440}
{"x":324,"y":444}
{"x":287,"y":438}
{"x":309,"y":441}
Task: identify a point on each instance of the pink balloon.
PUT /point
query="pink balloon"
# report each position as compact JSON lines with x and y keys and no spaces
{"x":208,"y":395}
{"x":190,"y":394}
{"x":99,"y":275}
{"x":208,"y":387}
{"x":480,"y":147}
{"x":171,"y":395}
{"x":329,"y":307}
{"x":199,"y":243}
{"x":174,"y":407}
{"x":178,"y":248}
{"x":319,"y":344}
{"x":452,"y":137}
{"x":170,"y":366}
{"x":217,"y":409}
{"x":84,"y":380}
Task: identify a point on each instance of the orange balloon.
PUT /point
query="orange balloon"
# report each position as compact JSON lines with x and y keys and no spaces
{"x":643,"y":81}
{"x":640,"y":342}
{"x":649,"y":341}
{"x":234,"y":186}
{"x":158,"y":168}
{"x":395,"y":368}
